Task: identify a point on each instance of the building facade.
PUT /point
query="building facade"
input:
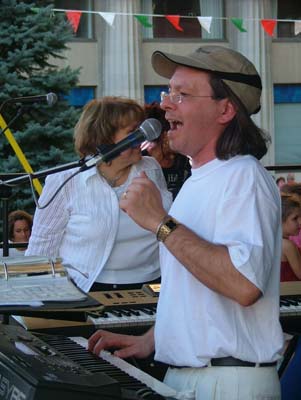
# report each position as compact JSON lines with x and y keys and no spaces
{"x":113,"y":48}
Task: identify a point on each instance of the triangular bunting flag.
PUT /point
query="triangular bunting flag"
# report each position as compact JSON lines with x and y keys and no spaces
{"x":268,"y":25}
{"x":297,"y":27}
{"x":205,"y":23}
{"x":108,"y":17}
{"x":74,"y":18}
{"x":143,"y":19}
{"x":174,"y":20}
{"x":238,"y":22}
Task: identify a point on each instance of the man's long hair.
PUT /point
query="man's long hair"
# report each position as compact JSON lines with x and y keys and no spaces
{"x":242,"y":136}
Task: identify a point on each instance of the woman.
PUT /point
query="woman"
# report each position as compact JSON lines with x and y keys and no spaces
{"x":290,"y":257}
{"x":293,"y":189}
{"x":19,"y":230}
{"x":84,"y":224}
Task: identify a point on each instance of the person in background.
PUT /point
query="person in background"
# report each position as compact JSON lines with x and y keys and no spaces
{"x":176,"y":167}
{"x":291,"y":223}
{"x":294,"y":188}
{"x":290,"y":179}
{"x":84,"y":224}
{"x":217,"y":322}
{"x":280,"y":181}
{"x":19,"y":230}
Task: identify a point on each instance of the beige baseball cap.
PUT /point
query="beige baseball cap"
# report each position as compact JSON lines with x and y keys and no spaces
{"x":235,"y":70}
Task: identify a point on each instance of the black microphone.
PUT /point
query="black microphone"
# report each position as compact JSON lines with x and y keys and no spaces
{"x":50,"y":98}
{"x":149,"y":130}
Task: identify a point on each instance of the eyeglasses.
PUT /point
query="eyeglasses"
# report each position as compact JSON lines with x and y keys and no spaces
{"x":177,"y":98}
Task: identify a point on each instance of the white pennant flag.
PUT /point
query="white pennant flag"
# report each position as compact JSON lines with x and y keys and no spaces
{"x":205,"y":23}
{"x":297,"y":27}
{"x":108,"y":17}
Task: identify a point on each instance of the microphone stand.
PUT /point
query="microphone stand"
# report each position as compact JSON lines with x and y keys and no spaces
{"x":6,"y":186}
{"x":6,"y":192}
{"x":41,"y":174}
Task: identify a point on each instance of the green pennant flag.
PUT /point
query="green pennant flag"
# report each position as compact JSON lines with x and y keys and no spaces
{"x":143,"y":19}
{"x":238,"y":22}
{"x":35,"y":9}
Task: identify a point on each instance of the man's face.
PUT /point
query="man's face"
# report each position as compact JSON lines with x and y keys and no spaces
{"x":195,"y":125}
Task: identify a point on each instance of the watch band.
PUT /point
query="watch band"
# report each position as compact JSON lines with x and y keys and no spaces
{"x":166,"y":227}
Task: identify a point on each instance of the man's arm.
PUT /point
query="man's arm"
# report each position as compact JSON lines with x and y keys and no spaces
{"x":209,"y":263}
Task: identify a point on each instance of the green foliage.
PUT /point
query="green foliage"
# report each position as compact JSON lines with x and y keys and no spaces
{"x":32,"y":37}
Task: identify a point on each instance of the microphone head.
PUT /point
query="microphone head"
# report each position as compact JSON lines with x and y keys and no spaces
{"x":51,"y":99}
{"x":151,"y":129}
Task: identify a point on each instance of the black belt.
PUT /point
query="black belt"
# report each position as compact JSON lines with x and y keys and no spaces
{"x":98,"y":286}
{"x":233,"y":362}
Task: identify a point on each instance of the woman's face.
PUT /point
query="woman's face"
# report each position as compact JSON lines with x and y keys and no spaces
{"x":291,"y":226}
{"x":131,"y":155}
{"x":21,"y":231}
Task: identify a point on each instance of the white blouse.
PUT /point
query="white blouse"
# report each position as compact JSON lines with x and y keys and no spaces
{"x":81,"y":226}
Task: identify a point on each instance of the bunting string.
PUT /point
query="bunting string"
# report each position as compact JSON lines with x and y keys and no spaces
{"x":268,"y":25}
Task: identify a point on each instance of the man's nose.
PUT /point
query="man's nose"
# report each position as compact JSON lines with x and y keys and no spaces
{"x":167,"y":103}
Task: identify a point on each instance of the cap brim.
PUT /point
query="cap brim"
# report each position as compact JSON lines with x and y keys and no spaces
{"x":165,"y":64}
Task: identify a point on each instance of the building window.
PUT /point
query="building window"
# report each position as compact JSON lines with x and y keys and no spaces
{"x":162,"y":28}
{"x":152,"y":93}
{"x":80,"y":96}
{"x":291,"y":10}
{"x":287,"y":124}
{"x":85,"y":27}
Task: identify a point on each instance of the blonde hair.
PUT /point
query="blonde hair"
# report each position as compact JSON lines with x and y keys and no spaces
{"x":101,"y":119}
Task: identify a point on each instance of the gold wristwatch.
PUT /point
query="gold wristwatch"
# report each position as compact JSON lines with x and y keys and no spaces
{"x":166,"y":226}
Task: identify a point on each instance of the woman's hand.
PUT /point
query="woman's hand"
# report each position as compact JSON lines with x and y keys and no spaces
{"x":126,"y":345}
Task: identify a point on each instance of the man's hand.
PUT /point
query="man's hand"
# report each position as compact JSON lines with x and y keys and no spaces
{"x":142,"y":202}
{"x":127,"y":345}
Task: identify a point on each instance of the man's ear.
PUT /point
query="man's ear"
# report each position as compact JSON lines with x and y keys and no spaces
{"x":227,"y":111}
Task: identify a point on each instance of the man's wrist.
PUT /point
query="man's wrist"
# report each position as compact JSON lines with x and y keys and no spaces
{"x":166,"y":227}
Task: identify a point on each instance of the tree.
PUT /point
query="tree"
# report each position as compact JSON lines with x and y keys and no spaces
{"x":32,"y":38}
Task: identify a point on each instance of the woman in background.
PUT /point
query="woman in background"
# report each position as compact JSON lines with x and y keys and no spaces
{"x":84,"y":224}
{"x":176,"y":167}
{"x":19,"y":230}
{"x":293,"y":188}
{"x":291,"y":257}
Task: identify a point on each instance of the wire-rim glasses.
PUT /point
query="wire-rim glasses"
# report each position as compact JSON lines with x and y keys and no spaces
{"x":176,"y":98}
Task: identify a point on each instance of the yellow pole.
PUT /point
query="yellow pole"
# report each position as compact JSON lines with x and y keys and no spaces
{"x":19,"y":153}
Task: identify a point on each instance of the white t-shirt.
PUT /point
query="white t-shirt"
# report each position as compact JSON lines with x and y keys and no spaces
{"x":237,"y":204}
{"x":13,"y":252}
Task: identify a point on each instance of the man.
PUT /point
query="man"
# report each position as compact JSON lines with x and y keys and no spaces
{"x":218,"y":313}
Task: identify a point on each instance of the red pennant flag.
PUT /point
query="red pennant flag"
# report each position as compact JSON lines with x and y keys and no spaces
{"x":174,"y":20}
{"x":74,"y":18}
{"x":269,"y":25}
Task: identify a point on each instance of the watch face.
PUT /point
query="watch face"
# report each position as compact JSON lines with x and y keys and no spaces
{"x":164,"y":230}
{"x":171,"y":224}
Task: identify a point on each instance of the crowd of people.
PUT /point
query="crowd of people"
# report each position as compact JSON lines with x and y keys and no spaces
{"x":194,"y":210}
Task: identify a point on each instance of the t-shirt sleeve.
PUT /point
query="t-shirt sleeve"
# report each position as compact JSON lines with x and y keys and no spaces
{"x":250,"y":233}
